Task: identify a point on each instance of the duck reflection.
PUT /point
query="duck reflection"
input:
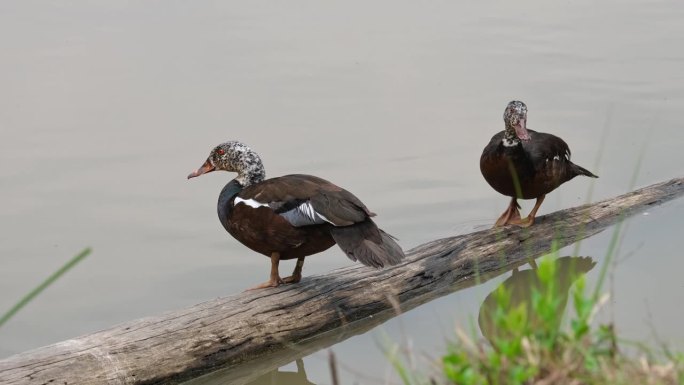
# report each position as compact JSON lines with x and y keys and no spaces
{"x":521,"y":285}
{"x":276,"y":377}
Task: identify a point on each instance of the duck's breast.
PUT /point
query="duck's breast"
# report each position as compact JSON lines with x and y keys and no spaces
{"x":502,"y":165}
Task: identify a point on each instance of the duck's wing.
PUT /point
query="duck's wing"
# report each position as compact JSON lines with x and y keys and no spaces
{"x":305,"y":200}
{"x":551,"y":156}
{"x":543,"y":148}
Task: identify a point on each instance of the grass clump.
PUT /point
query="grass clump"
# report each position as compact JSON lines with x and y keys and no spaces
{"x":527,"y":342}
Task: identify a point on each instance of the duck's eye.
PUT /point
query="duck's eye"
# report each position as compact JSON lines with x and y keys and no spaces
{"x":220,"y":151}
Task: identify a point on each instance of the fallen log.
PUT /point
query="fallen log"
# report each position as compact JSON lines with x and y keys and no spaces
{"x":225,"y":332}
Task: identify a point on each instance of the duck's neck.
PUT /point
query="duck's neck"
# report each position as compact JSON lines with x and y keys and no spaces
{"x":250,"y":170}
{"x":510,"y":139}
{"x":224,"y":207}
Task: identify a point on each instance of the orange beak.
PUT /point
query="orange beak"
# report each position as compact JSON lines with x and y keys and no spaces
{"x":205,"y":168}
{"x":521,"y":130}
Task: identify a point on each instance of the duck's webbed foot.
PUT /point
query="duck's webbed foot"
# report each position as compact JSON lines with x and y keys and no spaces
{"x":297,"y":273}
{"x":511,"y":214}
{"x":525,"y":222}
{"x":529,"y":221}
{"x":274,"y":280}
{"x":270,"y":283}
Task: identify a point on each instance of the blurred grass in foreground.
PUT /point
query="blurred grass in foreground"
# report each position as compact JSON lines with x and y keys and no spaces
{"x":531,"y":345}
{"x":38,"y":289}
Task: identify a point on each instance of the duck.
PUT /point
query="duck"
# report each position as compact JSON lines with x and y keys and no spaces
{"x":293,"y":216}
{"x":525,"y":164}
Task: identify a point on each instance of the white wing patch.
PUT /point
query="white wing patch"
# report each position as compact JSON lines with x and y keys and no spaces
{"x":249,"y":202}
{"x":304,"y":215}
{"x":509,"y":143}
{"x":558,"y":157}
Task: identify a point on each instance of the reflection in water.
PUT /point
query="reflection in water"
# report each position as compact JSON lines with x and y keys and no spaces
{"x":523,"y":283}
{"x":277,"y":377}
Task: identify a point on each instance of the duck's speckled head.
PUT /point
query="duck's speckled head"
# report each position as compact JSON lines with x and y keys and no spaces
{"x":515,"y":117}
{"x":236,"y":157}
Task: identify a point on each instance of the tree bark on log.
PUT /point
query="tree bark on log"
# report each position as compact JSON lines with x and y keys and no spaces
{"x":293,"y":320}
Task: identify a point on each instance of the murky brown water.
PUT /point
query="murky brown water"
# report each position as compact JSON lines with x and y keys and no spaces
{"x":105,"y":108}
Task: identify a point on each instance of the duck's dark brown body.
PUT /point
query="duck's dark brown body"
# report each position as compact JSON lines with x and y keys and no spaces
{"x":293,"y":216}
{"x":265,"y":231}
{"x":541,"y":164}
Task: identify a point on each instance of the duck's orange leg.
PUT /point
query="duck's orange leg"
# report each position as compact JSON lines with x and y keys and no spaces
{"x":274,"y":280}
{"x":529,"y":221}
{"x":297,"y":273}
{"x":512,"y":213}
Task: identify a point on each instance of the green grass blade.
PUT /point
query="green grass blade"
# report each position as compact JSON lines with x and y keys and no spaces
{"x":52,"y":278}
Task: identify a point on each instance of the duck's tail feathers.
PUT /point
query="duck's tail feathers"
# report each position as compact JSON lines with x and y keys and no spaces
{"x":582,"y":171}
{"x":366,"y":243}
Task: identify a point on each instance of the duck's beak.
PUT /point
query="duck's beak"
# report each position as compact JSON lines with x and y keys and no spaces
{"x":521,"y":130}
{"x":205,"y":168}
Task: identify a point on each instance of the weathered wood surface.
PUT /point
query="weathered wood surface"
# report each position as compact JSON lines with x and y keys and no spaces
{"x":221,"y":333}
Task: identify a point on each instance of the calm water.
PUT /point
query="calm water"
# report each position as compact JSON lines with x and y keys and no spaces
{"x":105,"y":108}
